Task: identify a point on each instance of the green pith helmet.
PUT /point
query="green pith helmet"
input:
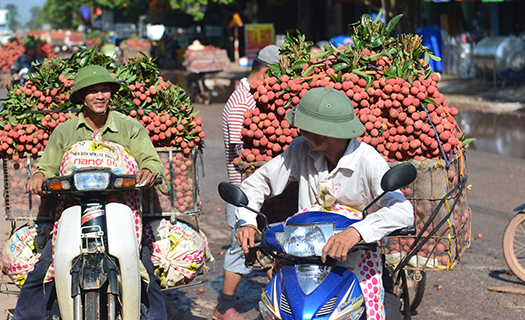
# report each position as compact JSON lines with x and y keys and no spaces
{"x":30,"y":44}
{"x":89,"y":76}
{"x":327,"y":112}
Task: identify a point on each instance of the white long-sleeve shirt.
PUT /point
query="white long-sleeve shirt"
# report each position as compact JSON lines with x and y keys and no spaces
{"x":357,"y":177}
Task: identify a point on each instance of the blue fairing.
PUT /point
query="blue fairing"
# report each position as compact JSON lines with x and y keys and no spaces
{"x":340,"y":222}
{"x":303,"y":306}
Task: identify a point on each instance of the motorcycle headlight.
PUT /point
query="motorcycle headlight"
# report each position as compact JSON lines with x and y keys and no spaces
{"x":305,"y":240}
{"x":91,"y":180}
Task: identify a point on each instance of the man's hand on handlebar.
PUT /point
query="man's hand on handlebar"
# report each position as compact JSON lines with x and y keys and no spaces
{"x":246,"y":237}
{"x":145,"y":179}
{"x":34,"y":185}
{"x":339,"y":244}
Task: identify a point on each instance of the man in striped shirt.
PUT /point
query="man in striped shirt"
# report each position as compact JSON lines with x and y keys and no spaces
{"x":239,"y":102}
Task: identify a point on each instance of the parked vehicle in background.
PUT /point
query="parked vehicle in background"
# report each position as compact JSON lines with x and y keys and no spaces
{"x":6,"y":29}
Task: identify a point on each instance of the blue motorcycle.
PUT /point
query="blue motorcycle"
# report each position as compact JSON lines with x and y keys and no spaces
{"x":307,"y":288}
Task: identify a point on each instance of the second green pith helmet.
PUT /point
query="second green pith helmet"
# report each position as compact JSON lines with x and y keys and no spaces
{"x":327,"y":112}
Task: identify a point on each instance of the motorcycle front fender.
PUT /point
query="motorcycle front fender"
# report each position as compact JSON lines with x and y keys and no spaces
{"x":122,"y":244}
{"x":67,"y":248}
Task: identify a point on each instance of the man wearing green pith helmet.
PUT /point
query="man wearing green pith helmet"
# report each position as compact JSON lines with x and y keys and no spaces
{"x":94,"y":87}
{"x":328,"y":153}
{"x":26,"y":60}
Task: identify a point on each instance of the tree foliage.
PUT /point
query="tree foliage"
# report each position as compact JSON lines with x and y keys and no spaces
{"x":36,"y":21}
{"x":66,"y":14}
{"x":62,"y":14}
{"x":137,"y":7}
{"x":195,"y":7}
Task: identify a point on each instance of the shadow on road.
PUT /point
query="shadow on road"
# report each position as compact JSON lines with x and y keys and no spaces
{"x":506,"y":276}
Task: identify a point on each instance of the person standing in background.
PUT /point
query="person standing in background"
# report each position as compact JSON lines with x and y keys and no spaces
{"x":26,"y":60}
{"x":238,"y":103}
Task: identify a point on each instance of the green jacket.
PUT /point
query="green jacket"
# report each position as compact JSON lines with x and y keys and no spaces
{"x":119,"y":128}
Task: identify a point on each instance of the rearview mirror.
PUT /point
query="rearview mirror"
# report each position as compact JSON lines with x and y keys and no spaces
{"x":232,"y":194}
{"x":398,"y":177}
{"x":395,"y":178}
{"x":235,"y":196}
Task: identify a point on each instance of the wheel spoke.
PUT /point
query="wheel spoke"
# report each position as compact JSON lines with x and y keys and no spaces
{"x":517,"y":243}
{"x":521,"y":227}
{"x":520,"y":232}
{"x":517,"y":246}
{"x":522,"y":264}
{"x":518,"y":253}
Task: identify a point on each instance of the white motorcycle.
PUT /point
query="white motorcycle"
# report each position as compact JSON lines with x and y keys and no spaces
{"x":97,"y":268}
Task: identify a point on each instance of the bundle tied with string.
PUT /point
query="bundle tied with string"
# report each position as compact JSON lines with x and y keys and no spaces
{"x":23,"y":249}
{"x":98,"y":153}
{"x":179,"y":251}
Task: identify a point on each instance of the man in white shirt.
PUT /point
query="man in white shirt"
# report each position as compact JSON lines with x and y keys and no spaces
{"x":327,"y":151}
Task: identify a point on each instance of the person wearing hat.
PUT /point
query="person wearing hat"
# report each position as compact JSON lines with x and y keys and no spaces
{"x":328,"y":152}
{"x":238,"y":103}
{"x":26,"y":60}
{"x":94,"y":87}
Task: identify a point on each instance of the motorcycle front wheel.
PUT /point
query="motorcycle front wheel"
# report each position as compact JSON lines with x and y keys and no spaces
{"x":514,"y":245}
{"x":92,"y":305}
{"x":415,"y":286}
{"x":99,"y":305}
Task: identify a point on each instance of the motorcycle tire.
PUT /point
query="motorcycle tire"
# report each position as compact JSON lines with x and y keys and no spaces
{"x":97,"y":305}
{"x":416,"y":289}
{"x":514,"y":245}
{"x":92,"y":305}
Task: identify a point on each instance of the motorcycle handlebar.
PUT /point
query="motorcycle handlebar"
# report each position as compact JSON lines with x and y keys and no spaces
{"x":408,"y":231}
{"x":257,"y":237}
{"x":364,"y":246}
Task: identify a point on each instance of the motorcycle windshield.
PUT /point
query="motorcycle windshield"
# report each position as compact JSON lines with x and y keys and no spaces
{"x":310,"y":277}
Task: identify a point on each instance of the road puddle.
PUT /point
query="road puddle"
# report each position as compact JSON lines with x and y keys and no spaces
{"x":497,"y":133}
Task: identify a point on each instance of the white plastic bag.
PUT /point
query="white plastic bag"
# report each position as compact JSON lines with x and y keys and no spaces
{"x":22,"y":250}
{"x":178,"y":251}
